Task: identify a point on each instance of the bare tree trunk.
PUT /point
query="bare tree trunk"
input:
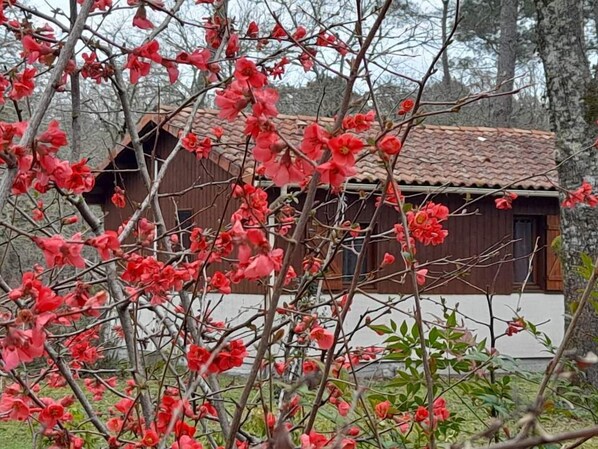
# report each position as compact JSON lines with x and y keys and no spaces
{"x":573,"y":99}
{"x":507,"y":56}
{"x":446,"y":73}
{"x":75,"y":99}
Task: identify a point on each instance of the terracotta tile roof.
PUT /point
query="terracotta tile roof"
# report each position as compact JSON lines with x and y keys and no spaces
{"x":432,"y":155}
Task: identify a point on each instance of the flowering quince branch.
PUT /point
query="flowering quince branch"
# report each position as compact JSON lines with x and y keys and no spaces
{"x":44,"y":102}
{"x":99,"y":287}
{"x":262,"y":346}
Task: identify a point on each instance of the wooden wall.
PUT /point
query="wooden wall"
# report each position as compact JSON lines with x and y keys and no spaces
{"x":478,"y":229}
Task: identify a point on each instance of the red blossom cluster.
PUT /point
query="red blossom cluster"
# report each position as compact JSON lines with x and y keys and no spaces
{"x":310,"y":328}
{"x":506,"y":201}
{"x":152,"y":277}
{"x":94,"y":69}
{"x":218,"y":360}
{"x":421,"y":416}
{"x":171,"y":409}
{"x":425,"y":225}
{"x":42,"y":306}
{"x":200,"y":147}
{"x":583,"y":195}
{"x":41,"y":168}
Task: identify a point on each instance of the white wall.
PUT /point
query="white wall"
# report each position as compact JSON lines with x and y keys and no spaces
{"x":544,"y":310}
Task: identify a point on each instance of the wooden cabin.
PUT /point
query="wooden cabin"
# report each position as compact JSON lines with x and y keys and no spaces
{"x":485,"y":254}
{"x":460,"y":167}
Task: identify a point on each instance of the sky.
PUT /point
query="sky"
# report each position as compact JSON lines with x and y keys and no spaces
{"x":47,"y":6}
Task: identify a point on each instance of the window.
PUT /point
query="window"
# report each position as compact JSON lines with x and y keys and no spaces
{"x":185,"y":223}
{"x":526,"y":238}
{"x":340,"y":270}
{"x":351,"y":249}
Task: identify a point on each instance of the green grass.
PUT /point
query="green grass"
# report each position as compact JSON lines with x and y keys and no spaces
{"x":556,"y":419}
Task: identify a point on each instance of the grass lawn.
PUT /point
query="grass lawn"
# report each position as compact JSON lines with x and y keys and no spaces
{"x":561,"y":416}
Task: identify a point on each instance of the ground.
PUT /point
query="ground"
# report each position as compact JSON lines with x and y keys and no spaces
{"x":561,"y":415}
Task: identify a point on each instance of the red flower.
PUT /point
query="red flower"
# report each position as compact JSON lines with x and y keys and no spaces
{"x":406,"y":106}
{"x":390,"y":145}
{"x":343,"y":408}
{"x":22,"y":85}
{"x":229,"y":357}
{"x":150,"y":438}
{"x":141,"y":21}
{"x":118,"y":198}
{"x":137,"y":68}
{"x":359,"y":122}
{"x":231,"y":101}
{"x":207,"y":409}
{"x":59,"y":252}
{"x":310,"y":366}
{"x":4,"y":83}
{"x":13,"y":408}
{"x":199,"y":58}
{"x":425,"y":224}
{"x":348,"y":443}
{"x":299,"y":33}
{"x":388,"y":259}
{"x":70,"y":220}
{"x":22,"y":346}
{"x":187,"y":442}
{"x":106,"y":243}
{"x":51,"y":414}
{"x":218,"y":132}
{"x":382,"y":409}
{"x":421,"y":414}
{"x":279,"y":367}
{"x":278,"y":32}
{"x":515,"y":326}
{"x":252,"y":30}
{"x":322,"y":337}
{"x":102,"y":5}
{"x":95,"y":70}
{"x":441,"y":413}
{"x":505,"y":202}
{"x":285,"y":171}
{"x":421,"y":276}
{"x":38,"y":212}
{"x":265,"y":103}
{"x":314,"y":139}
{"x":344,"y":148}
{"x":201,"y":148}
{"x":34,"y":50}
{"x":220,"y":282}
{"x":582,"y":195}
{"x":136,"y":63}
{"x":232,"y":356}
{"x":246,"y":71}
{"x":81,"y":179}
{"x":335,"y":174}
{"x":313,"y":441}
{"x":232,"y":47}
{"x":53,"y":136}
{"x":264,"y":264}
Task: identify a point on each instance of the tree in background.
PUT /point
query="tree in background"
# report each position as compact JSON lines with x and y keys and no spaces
{"x":573,"y":94}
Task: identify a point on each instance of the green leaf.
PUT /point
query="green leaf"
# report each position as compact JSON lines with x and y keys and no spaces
{"x":380,"y":328}
{"x":404,"y":328}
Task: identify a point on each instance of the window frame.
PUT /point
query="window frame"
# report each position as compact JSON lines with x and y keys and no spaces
{"x":183,"y":232}
{"x":536,"y":281}
{"x":369,"y":261}
{"x":335,"y":280}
